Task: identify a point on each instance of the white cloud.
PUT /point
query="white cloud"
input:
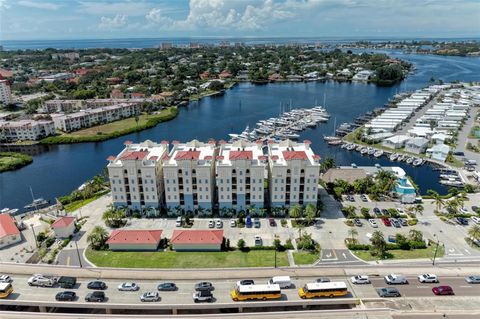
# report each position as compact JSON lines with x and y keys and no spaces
{"x":39,"y":5}
{"x":132,"y":8}
{"x":156,"y":17}
{"x":110,"y":24}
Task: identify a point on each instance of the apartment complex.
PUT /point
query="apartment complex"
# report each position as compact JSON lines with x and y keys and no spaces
{"x":68,"y":106}
{"x":293,"y":173}
{"x":5,"y":94}
{"x":189,"y":175}
{"x":136,"y":175}
{"x":240,"y":175}
{"x":197,"y":175}
{"x":11,"y":131}
{"x":87,"y":118}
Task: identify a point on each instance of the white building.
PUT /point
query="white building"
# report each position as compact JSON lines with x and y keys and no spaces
{"x":5,"y":94}
{"x":395,"y":142}
{"x":91,"y":117}
{"x":136,"y":175}
{"x":416,"y":145}
{"x":25,"y":130}
{"x":293,"y":173}
{"x":9,"y":233}
{"x":240,"y":175}
{"x":439,"y":152}
{"x":64,"y":227}
{"x":188,"y":174}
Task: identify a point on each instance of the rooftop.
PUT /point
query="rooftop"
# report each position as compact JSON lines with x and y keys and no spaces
{"x":240,"y":150}
{"x":129,"y":236}
{"x":63,"y":222}
{"x":7,"y":226}
{"x":193,"y":151}
{"x":197,"y":237}
{"x":288,"y":150}
{"x":148,"y":152}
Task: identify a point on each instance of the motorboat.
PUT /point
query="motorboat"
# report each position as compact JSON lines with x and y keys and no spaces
{"x":393,"y":157}
{"x":358,"y":148}
{"x":371,"y":151}
{"x":417,"y":162}
{"x":409,"y":160}
{"x":364,"y":151}
{"x":9,"y":211}
{"x":350,"y":147}
{"x":378,"y":153}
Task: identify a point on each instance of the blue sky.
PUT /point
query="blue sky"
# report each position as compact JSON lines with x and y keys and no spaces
{"x":71,"y":19}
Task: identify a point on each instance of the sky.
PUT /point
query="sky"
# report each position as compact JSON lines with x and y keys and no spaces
{"x":100,"y":19}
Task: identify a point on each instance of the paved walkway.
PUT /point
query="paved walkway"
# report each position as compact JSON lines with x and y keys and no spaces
{"x":291,"y":260}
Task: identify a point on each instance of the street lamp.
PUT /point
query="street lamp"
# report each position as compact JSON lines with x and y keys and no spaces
{"x":436,"y":249}
{"x":78,"y":254}
{"x":275,"y":257}
{"x":34,"y":236}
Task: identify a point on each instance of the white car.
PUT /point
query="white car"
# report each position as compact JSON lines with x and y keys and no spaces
{"x":475,"y":219}
{"x":427,"y":278}
{"x":463,"y":210}
{"x":360,"y":280}
{"x":179,"y":221}
{"x":150,"y":296}
{"x":373,"y":223}
{"x":211,"y":223}
{"x":219,"y":223}
{"x":128,"y":286}
{"x":233,"y":223}
{"x":258,"y":241}
{"x":5,"y":279}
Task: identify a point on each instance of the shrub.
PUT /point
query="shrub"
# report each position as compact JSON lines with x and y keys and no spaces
{"x":349,"y":222}
{"x":49,"y":242}
{"x":283,"y":222}
{"x":358,"y":247}
{"x":288,"y":244}
{"x":241,"y":244}
{"x":41,"y":237}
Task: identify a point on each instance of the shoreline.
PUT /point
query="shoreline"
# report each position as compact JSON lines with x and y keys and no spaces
{"x":15,"y":160}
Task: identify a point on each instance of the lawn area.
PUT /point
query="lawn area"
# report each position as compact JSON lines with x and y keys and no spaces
{"x":305,"y":257}
{"x":70,"y":207}
{"x":11,"y":161}
{"x":172,"y":259}
{"x":403,"y":254}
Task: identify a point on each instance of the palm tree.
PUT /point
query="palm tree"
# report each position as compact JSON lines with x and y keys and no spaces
{"x":437,"y":199}
{"x":327,"y":164}
{"x":310,"y":213}
{"x":352,"y":232}
{"x":295,"y":212}
{"x":474,"y":232}
{"x":97,"y":237}
{"x":415,"y":235}
{"x":418,"y":209}
{"x":378,"y":243}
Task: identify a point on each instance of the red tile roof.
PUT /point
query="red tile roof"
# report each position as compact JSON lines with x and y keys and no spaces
{"x":129,"y":236}
{"x":134,"y":155}
{"x":63,"y":222}
{"x":187,"y":155}
{"x":294,"y":155}
{"x":7,"y":226}
{"x":241,"y":155}
{"x":197,"y":237}
{"x":111,"y":158}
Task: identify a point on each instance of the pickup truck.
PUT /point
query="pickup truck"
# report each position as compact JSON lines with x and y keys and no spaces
{"x":202,"y":296}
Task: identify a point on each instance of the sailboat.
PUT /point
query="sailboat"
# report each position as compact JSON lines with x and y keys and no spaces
{"x":332,"y":137}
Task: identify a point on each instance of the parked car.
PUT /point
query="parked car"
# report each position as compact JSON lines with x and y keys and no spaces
{"x":322,"y":279}
{"x":5,"y":279}
{"x":219,"y":223}
{"x":258,"y":241}
{"x":256,"y":223}
{"x":248,"y":222}
{"x":403,"y":221}
{"x":395,"y":223}
{"x":388,"y":292}
{"x":271,"y":221}
{"x":67,"y":282}
{"x":97,"y":285}
{"x":150,"y":296}
{"x":476,"y":209}
{"x":351,"y":198}
{"x":98,"y":296}
{"x":167,"y":286}
{"x":442,"y":290}
{"x":41,"y":281}
{"x":395,"y":279}
{"x":386,"y":221}
{"x":211,"y":223}
{"x":245,"y":282}
{"x":424,"y":278}
{"x":179,"y":221}
{"x":202,"y":296}
{"x":66,"y":296}
{"x":204,"y":286}
{"x":373,"y":223}
{"x":360,"y":279}
{"x":128,"y":286}
{"x":459,"y":153}
{"x":400,"y":210}
{"x":391,"y":238}
{"x":357,"y":222}
{"x":473,"y":279}
{"x":475,"y":219}
{"x":461,"y":220}
{"x":385,"y":212}
{"x":377,"y":211}
{"x":233,"y":223}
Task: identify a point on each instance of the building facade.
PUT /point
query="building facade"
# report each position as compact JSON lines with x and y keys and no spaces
{"x":240,"y":175}
{"x":5,"y":93}
{"x":64,"y":227}
{"x":188,"y":175}
{"x":9,"y":233}
{"x":25,"y":130}
{"x":293,"y":172}
{"x":136,"y":175}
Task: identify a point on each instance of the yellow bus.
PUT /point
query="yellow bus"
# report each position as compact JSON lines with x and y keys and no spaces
{"x":256,"y":292}
{"x":323,"y":289}
{"x":5,"y":290}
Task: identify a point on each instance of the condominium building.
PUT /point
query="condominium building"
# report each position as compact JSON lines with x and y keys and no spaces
{"x":240,"y":175}
{"x":5,"y":94}
{"x":293,"y":173}
{"x":88,"y":118}
{"x":136,"y":175}
{"x":188,"y":173}
{"x":67,"y":106}
{"x":24,"y":130}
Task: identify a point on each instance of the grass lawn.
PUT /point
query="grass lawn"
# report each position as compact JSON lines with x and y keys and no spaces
{"x":404,"y":254}
{"x":172,"y":259}
{"x":305,"y":257}
{"x":12,"y":160}
{"x":70,"y":207}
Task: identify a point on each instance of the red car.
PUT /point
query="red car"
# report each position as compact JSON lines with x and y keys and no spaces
{"x":271,"y":221}
{"x":386,"y":222}
{"x":442,"y":290}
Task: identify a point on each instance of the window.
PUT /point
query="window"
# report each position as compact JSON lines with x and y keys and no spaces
{"x":147,"y":197}
{"x":168,"y":181}
{"x":221,"y":196}
{"x":121,"y":196}
{"x":113,"y":181}
{"x":194,"y":171}
{"x":186,"y":173}
{"x":168,"y":197}
{"x":247,"y":171}
{"x":253,"y":196}
{"x":206,"y":181}
{"x":276,"y":188}
{"x":133,"y":189}
{"x":308,"y":188}
{"x":200,"y":196}
{"x":275,"y":196}
{"x":168,"y":189}
{"x":151,"y":181}
{"x":114,"y":189}
{"x":240,"y":173}
{"x":308,"y":180}
{"x":179,"y":172}
{"x":115,"y":197}
{"x":221,"y":189}
{"x":220,"y":181}
{"x":200,"y":189}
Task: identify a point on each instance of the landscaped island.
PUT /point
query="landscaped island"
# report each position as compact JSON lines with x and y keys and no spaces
{"x":10,"y":161}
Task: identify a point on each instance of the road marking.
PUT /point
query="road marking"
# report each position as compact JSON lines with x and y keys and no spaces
{"x":467,"y":251}
{"x":68,"y":261}
{"x":344,"y":256}
{"x":422,"y":287}
{"x":465,"y":286}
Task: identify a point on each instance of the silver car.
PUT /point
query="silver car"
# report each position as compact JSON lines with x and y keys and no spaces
{"x":128,"y":286}
{"x":150,"y":296}
{"x":473,"y":279}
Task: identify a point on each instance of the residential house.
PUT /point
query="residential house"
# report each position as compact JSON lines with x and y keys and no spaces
{"x":416,"y":145}
{"x":197,"y":240}
{"x":9,"y":233}
{"x":134,"y":240}
{"x":64,"y":227}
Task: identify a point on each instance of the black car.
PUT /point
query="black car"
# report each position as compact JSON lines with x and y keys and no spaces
{"x":461,"y":220}
{"x":395,"y":222}
{"x":357,"y":222}
{"x":97,"y":285}
{"x":65,"y":296}
{"x":204,"y":286}
{"x":322,"y":279}
{"x":167,"y":286}
{"x":98,"y":296}
{"x":385,"y":212}
{"x":459,"y":153}
{"x":377,"y":212}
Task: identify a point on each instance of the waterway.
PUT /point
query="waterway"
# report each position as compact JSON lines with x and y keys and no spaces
{"x":60,"y":169}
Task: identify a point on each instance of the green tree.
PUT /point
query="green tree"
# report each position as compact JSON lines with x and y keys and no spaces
{"x":97,"y":238}
{"x":295,"y":212}
{"x":437,"y":199}
{"x":327,"y":164}
{"x":474,"y":232}
{"x":353,"y":233}
{"x":415,"y":235}
{"x":310,"y":213}
{"x":241,"y":244}
{"x":419,"y":209}
{"x":378,"y":244}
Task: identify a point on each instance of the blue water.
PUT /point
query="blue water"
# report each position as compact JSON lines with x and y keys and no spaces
{"x":63,"y":168}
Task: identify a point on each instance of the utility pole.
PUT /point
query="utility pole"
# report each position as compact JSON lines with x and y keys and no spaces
{"x":436,"y":249}
{"x":78,"y":254}
{"x":34,"y":235}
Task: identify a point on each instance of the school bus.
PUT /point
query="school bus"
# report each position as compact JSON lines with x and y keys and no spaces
{"x":323,"y":289}
{"x":256,"y":292}
{"x":5,"y":290}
